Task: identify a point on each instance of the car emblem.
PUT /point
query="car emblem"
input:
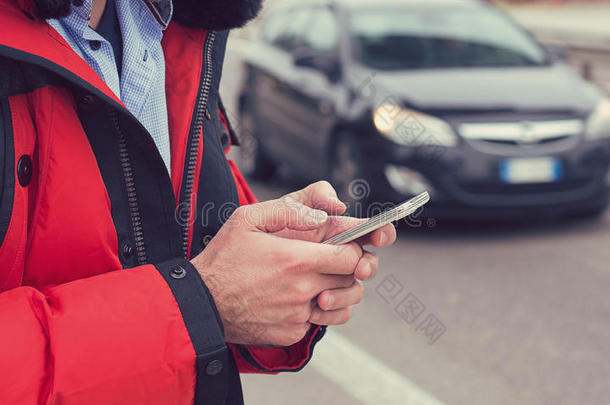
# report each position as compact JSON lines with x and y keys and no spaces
{"x":527,"y":135}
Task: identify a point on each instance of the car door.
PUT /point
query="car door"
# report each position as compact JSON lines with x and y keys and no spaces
{"x":313,"y":92}
{"x":271,"y":97}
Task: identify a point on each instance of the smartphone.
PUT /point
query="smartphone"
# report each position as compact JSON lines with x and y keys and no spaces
{"x":394,"y":214}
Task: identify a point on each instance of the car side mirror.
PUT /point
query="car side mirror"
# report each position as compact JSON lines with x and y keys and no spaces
{"x":311,"y":59}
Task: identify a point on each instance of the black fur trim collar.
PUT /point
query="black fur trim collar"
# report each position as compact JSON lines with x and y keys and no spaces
{"x":216,"y":14}
{"x":209,"y":14}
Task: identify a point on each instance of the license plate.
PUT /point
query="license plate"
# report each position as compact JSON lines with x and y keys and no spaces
{"x":531,"y":170}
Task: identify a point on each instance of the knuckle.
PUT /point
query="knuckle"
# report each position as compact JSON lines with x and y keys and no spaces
{"x":292,"y":263}
{"x":286,"y":259}
{"x":303,"y":290}
{"x":323,"y":185}
{"x":352,"y":255}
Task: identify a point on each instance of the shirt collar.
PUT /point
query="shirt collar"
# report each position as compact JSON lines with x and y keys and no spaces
{"x":161,"y":10}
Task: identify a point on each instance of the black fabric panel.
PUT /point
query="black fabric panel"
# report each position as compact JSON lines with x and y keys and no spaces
{"x":205,"y":329}
{"x":233,"y":135}
{"x":217,"y":197}
{"x":21,"y":78}
{"x":7,"y":168}
{"x":155,"y":193}
{"x":100,"y":132}
{"x":44,"y":72}
{"x":110,"y":28}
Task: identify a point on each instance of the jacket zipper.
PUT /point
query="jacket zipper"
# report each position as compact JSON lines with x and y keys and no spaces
{"x":193,"y":154}
{"x":201,"y":108}
{"x":132,"y":199}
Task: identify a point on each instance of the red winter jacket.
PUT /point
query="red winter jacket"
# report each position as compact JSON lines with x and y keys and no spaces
{"x":98,"y":301}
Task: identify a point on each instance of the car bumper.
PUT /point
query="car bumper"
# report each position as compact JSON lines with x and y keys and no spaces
{"x":466,"y":182}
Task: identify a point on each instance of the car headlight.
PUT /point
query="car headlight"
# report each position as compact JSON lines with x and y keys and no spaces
{"x":412,"y":128}
{"x":598,"y":125}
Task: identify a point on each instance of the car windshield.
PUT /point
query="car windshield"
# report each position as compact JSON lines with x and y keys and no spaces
{"x":433,"y":37}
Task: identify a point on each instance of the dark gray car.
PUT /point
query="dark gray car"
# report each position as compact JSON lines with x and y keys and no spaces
{"x":388,"y":98}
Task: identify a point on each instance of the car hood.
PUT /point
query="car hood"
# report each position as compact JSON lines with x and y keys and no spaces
{"x":554,"y":87}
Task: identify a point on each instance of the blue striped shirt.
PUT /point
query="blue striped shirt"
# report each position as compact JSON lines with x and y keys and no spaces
{"x":141,"y":86}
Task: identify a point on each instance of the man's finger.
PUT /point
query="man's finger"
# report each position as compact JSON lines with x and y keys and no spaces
{"x":382,"y":237}
{"x":275,"y":215}
{"x":321,"y":196}
{"x":367,"y":266}
{"x":338,"y":260}
{"x":336,"y":317}
{"x":330,"y":300}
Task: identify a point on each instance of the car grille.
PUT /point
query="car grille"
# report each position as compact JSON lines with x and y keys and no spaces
{"x":523,"y":132}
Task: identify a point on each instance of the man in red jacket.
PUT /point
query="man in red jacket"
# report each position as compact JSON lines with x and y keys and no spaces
{"x":135,"y":265}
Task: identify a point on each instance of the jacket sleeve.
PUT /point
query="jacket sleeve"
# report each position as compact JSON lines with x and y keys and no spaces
{"x":148,"y":335}
{"x":259,"y":359}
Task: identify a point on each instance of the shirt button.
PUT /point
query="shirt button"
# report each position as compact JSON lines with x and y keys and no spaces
{"x":214,"y":367}
{"x":206,"y":240}
{"x":95,"y":45}
{"x":178,"y":272}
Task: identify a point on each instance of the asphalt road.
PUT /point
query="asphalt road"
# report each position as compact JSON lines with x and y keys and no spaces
{"x":524,"y":314}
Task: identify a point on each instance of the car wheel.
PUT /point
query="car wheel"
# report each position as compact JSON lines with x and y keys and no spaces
{"x":253,"y":162}
{"x":347,"y":175}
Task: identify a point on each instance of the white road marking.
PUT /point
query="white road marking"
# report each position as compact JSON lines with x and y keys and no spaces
{"x":362,"y":376}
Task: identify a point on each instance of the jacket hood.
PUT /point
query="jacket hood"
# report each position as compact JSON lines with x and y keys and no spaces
{"x":208,"y":14}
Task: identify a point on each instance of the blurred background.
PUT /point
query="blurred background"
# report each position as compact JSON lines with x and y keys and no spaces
{"x":495,"y":293}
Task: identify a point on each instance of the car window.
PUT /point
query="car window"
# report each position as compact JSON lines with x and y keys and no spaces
{"x":290,"y":34}
{"x":433,"y":37}
{"x":322,"y":33}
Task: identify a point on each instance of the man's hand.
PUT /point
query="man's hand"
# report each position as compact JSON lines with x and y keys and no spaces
{"x":335,"y":306}
{"x":264,"y":285}
{"x":270,"y":282}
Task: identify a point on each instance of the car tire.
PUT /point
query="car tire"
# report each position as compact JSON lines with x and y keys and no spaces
{"x":347,"y":175}
{"x":253,"y":162}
